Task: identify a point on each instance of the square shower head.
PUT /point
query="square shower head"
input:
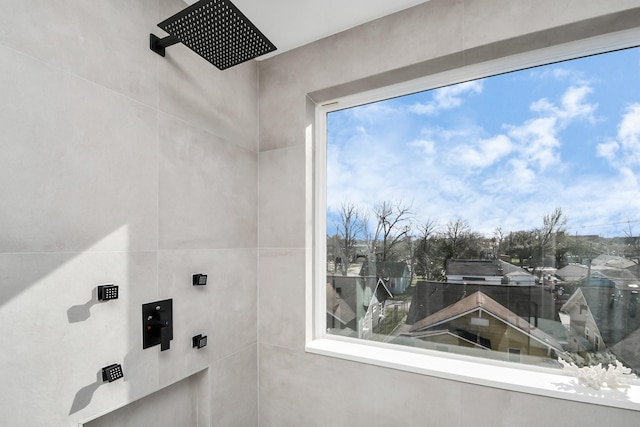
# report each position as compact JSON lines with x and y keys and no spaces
{"x":217,"y":31}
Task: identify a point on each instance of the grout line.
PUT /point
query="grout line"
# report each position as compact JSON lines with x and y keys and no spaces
{"x":158,"y":157}
{"x":257,"y":218}
{"x":157,"y":90}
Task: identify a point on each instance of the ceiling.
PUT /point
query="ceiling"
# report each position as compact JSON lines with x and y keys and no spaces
{"x":292,"y":23}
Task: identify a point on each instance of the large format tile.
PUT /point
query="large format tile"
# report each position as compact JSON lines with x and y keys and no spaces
{"x":282,"y":198}
{"x":281,"y":292}
{"x":106,"y":42}
{"x":208,"y":189}
{"x":298,"y":388}
{"x":224,"y":310}
{"x":234,"y":390}
{"x":223,"y":102}
{"x":524,"y":410}
{"x":73,"y":171}
{"x":57,"y":335}
{"x":281,"y":103}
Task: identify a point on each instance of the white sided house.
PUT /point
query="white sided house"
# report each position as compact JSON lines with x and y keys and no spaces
{"x":487,"y":272}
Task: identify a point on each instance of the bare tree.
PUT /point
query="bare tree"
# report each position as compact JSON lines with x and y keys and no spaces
{"x":633,"y":248}
{"x":410,"y":251}
{"x":425,"y":264}
{"x":498,"y":238}
{"x":350,"y":227}
{"x":392,"y":220}
{"x":552,"y":224}
{"x":453,"y":237}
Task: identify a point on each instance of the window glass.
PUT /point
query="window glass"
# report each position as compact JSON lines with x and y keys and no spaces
{"x":497,"y":218}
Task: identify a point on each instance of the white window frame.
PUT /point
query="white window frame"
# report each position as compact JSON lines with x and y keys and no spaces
{"x":509,"y":376}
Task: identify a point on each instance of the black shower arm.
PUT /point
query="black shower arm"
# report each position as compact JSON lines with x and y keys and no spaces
{"x":158,"y":44}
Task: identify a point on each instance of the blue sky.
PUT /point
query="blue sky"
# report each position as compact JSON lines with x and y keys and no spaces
{"x":502,"y":151}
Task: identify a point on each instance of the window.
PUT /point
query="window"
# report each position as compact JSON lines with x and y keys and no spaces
{"x":502,"y":201}
{"x":514,"y":355}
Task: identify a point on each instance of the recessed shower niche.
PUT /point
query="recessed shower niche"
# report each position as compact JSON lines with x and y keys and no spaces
{"x":184,"y":403}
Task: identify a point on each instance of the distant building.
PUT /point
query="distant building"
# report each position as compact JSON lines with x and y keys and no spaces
{"x":602,"y":314}
{"x":530,"y":302}
{"x":480,"y":322}
{"x":612,"y":261}
{"x":355,"y":304}
{"x":585,"y":337}
{"x":572,"y":272}
{"x":620,"y":277}
{"x":396,"y":275}
{"x":614,"y":309}
{"x":487,"y":272}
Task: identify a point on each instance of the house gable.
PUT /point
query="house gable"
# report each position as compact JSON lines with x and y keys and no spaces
{"x":482,"y":320}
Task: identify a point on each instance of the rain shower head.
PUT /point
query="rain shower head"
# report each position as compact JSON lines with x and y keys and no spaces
{"x":217,"y":31}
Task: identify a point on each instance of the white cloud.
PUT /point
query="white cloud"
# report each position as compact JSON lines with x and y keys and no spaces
{"x":572,"y":105}
{"x":537,"y":139}
{"x":560,"y":74}
{"x":427,"y":147}
{"x":629,"y":134}
{"x":537,"y":142}
{"x":452,"y":135}
{"x":447,"y":98}
{"x":427,"y":109}
{"x":529,"y":148}
{"x":608,"y":150}
{"x":543,"y":105}
{"x":521,"y":173}
{"x":625,"y":150}
{"x":630,"y":181}
{"x":482,"y":153}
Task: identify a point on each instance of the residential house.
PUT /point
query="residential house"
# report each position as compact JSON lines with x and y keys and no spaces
{"x":474,"y":271}
{"x":396,"y":275}
{"x":572,"y":272}
{"x":340,"y":315}
{"x":614,"y":309}
{"x":612,"y":261}
{"x":479,"y":321}
{"x":356,"y":303}
{"x":602,"y":314}
{"x":487,"y":272}
{"x":530,"y":302}
{"x":621,"y":278}
{"x":585,"y":338}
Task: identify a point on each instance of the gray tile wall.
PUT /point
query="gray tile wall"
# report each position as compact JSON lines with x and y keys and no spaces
{"x":296,"y":388}
{"x":120,"y":166}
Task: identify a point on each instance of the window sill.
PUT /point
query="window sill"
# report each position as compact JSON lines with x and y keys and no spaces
{"x":538,"y":382}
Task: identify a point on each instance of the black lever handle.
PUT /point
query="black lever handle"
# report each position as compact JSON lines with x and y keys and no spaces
{"x":165,"y":338}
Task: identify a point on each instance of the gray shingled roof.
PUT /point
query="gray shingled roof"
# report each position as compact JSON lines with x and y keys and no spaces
{"x":474,"y":267}
{"x":387,"y":269}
